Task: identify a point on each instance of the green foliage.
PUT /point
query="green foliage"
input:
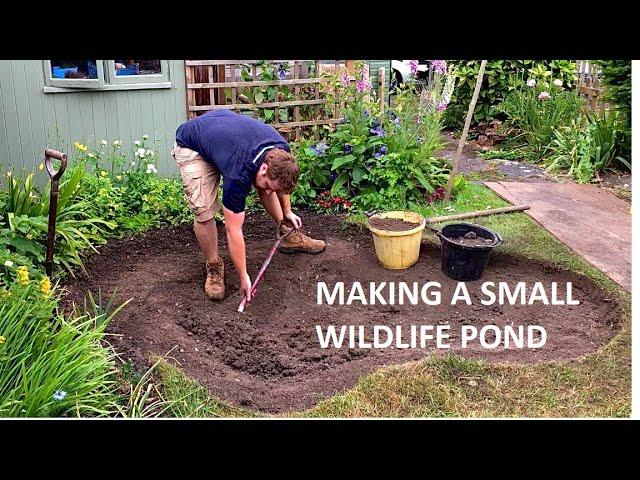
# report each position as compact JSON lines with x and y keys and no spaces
{"x":372,"y":159}
{"x":536,"y":111}
{"x":585,"y":150}
{"x":500,"y":78}
{"x":24,"y":220}
{"x":51,"y":366}
{"x":616,"y":78}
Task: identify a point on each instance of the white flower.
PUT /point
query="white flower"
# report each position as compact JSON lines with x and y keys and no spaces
{"x":141,"y":152}
{"x":117,"y":143}
{"x":151,"y":168}
{"x":8,"y":264}
{"x":137,"y":143}
{"x":8,"y":174}
{"x":145,"y":137}
{"x":90,"y":155}
{"x":531,"y":83}
{"x":133,"y":164}
{"x":149,"y":153}
{"x":103,"y":143}
{"x":557,"y":82}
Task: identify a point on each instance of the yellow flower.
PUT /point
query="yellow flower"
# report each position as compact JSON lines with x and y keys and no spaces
{"x":80,"y":146}
{"x":45,"y":286}
{"x":2,"y":339}
{"x":5,"y":294}
{"x":119,"y":177}
{"x":23,"y":275}
{"x":103,"y":173}
{"x":41,"y":166}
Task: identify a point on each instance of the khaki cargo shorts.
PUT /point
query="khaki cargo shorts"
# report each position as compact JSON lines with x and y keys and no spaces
{"x":200,"y":182}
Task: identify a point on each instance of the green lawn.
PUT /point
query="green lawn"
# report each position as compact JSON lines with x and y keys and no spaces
{"x":597,"y":385}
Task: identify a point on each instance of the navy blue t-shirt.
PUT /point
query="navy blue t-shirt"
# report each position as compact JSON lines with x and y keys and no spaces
{"x":236,"y":144}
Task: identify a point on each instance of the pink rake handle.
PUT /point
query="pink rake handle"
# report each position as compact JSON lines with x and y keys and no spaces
{"x":266,"y":263}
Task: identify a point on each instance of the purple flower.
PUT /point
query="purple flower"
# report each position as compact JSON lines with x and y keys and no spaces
{"x":383,"y":151}
{"x":442,"y":106}
{"x":346,"y":81}
{"x":282,"y":72}
{"x":319,"y":148}
{"x":333,"y":176}
{"x":413,"y":65}
{"x":394,"y":117}
{"x":347,"y":148}
{"x":439,"y":66}
{"x":377,"y":130}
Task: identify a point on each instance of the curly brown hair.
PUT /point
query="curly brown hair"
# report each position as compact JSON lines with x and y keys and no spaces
{"x":283,"y":168}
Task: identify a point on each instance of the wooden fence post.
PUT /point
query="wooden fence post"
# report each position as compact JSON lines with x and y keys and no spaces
{"x":381,"y":89}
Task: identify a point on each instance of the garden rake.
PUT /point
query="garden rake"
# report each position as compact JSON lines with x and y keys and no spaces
{"x":53,"y":202}
{"x":260,"y":275}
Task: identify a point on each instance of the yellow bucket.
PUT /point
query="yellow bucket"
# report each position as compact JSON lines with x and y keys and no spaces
{"x":398,"y":250}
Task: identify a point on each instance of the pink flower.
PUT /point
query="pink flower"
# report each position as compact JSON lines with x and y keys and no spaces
{"x":531,"y":83}
{"x":413,"y":65}
{"x":442,"y":106}
{"x":345,"y":79}
{"x":363,"y":85}
{"x":543,"y":95}
{"x":439,"y":66}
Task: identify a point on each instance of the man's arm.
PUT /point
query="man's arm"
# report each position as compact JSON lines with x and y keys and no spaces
{"x":285,"y":203}
{"x":233,"y":225}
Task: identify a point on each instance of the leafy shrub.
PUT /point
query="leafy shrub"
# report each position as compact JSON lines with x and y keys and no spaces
{"x":375,"y":160}
{"x":51,"y":366}
{"x":536,"y":110}
{"x":585,"y":150}
{"x":500,"y":78}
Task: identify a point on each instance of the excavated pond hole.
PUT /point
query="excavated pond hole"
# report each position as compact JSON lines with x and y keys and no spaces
{"x":269,"y":358}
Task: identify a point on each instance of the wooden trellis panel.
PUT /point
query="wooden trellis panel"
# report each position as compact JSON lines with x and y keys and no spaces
{"x":215,"y":85}
{"x":589,"y":85}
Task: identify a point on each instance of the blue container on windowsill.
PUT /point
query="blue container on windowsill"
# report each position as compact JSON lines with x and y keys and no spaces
{"x":129,"y":70}
{"x":59,"y":72}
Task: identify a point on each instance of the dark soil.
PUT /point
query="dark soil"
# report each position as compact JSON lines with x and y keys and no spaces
{"x":269,"y":358}
{"x":471,"y":240}
{"x":392,"y":224}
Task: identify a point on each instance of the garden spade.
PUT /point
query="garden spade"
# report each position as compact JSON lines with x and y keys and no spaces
{"x":260,"y":275}
{"x":53,"y":202}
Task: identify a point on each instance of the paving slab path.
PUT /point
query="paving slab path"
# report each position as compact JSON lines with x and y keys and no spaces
{"x":593,"y":222}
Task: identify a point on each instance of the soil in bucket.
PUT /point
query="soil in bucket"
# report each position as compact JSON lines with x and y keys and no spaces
{"x":470,"y":239}
{"x":392,"y":224}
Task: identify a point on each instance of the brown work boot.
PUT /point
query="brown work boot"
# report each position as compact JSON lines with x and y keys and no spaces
{"x":297,"y":242}
{"x":214,"y":284}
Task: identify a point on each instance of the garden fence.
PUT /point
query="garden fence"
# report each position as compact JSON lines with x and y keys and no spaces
{"x":289,"y":94}
{"x":589,"y":85}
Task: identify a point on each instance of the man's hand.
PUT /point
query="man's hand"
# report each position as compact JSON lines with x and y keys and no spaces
{"x":245,"y":286}
{"x":294,"y":219}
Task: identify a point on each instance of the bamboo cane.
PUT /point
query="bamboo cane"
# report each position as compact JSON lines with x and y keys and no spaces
{"x":465,"y":131}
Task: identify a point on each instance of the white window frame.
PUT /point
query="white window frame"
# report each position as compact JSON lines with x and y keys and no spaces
{"x":107,"y":79}
{"x":75,"y":82}
{"x":113,"y":79}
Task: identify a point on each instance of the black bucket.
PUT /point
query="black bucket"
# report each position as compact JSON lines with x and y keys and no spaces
{"x":465,"y":262}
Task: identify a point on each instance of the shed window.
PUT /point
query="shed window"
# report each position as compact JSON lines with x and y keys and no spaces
{"x":118,"y":74}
